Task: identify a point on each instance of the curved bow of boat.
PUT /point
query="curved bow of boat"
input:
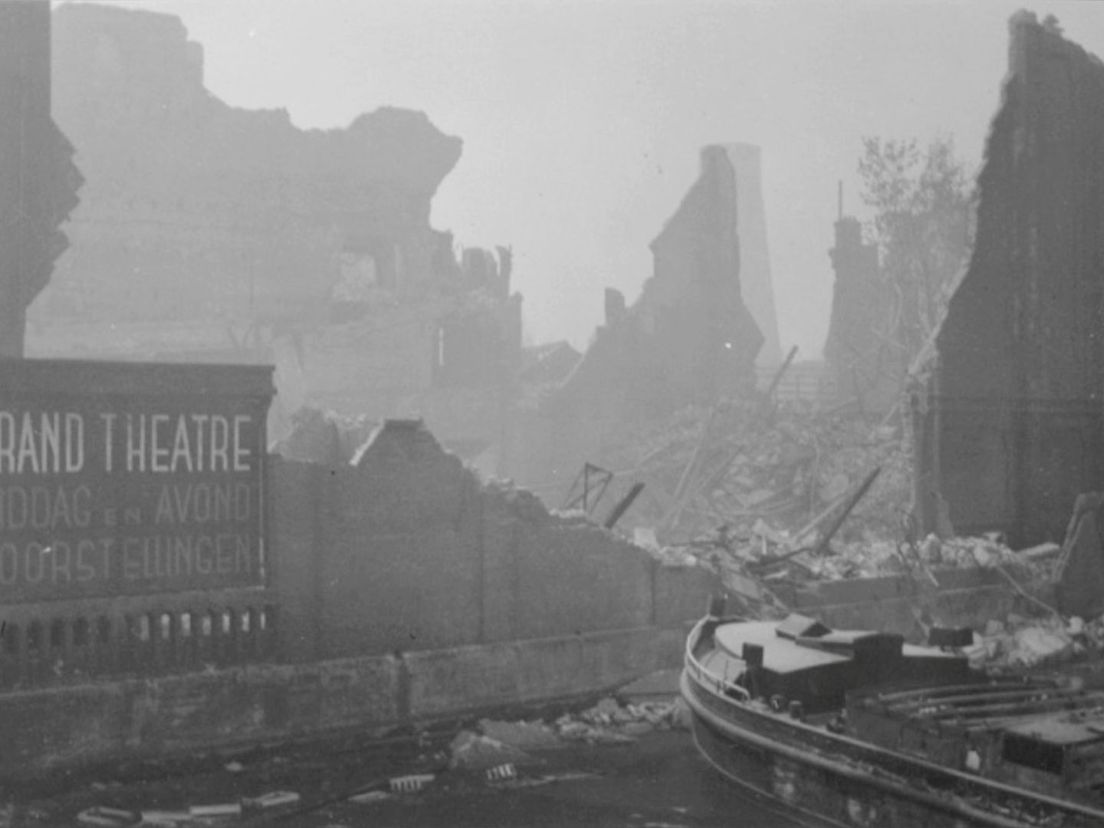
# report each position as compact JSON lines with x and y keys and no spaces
{"x":809,"y":758}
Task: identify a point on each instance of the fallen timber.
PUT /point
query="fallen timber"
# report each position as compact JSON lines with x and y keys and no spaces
{"x":849,"y":728}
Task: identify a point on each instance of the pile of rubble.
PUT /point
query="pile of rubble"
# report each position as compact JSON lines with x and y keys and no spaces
{"x":493,"y":753}
{"x":772,"y":556}
{"x":879,"y":557}
{"x":1019,"y":642}
{"x":737,"y":464}
{"x":607,"y":722}
{"x":789,"y":493}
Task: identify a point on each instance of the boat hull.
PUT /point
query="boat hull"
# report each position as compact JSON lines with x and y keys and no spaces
{"x":769,"y":757}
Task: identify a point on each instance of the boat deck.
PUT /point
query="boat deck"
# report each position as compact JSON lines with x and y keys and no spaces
{"x":931,"y":746}
{"x":781,"y":655}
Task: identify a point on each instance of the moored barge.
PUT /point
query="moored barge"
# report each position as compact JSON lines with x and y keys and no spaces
{"x":858,"y":728}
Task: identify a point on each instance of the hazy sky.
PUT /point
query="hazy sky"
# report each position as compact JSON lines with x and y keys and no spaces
{"x":582,"y":121}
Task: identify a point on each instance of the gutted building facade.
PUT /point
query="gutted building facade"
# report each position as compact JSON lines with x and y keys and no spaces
{"x":209,"y":232}
{"x":38,"y":181}
{"x":688,"y":339}
{"x":1009,"y":406}
{"x":863,"y":365}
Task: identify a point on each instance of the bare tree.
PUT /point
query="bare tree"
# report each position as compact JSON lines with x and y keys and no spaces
{"x":923,"y":219}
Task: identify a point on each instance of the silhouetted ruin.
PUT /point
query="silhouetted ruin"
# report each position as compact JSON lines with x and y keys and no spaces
{"x":689,"y":338}
{"x":212,"y":233}
{"x":1010,"y":408}
{"x":863,"y":366}
{"x":756,"y":283}
{"x":38,"y":181}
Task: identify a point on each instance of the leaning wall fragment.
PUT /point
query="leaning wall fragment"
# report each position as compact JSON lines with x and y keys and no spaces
{"x":688,"y":338}
{"x":1009,"y":421}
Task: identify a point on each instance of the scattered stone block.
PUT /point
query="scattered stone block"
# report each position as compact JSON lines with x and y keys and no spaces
{"x":223,"y":809}
{"x":522,"y":735}
{"x":270,"y":800}
{"x":109,"y":817}
{"x":470,"y":751}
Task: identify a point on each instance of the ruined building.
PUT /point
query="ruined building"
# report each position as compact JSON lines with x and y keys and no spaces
{"x":698,"y":338}
{"x":688,"y":339}
{"x":863,"y":366}
{"x":38,"y":181}
{"x":209,"y":209}
{"x":1009,"y":409}
{"x":209,"y":233}
{"x":756,"y":284}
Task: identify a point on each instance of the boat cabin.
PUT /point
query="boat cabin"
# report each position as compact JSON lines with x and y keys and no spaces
{"x":801,"y":660}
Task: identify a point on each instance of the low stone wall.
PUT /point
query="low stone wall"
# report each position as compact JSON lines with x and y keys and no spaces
{"x":69,"y":726}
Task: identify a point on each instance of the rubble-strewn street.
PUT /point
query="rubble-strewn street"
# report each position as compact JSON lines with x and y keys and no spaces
{"x":625,"y":761}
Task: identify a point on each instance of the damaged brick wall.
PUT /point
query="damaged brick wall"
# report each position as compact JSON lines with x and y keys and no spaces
{"x":404,"y":550}
{"x":1010,"y":419}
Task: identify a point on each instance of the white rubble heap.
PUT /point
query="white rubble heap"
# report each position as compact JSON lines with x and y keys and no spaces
{"x":607,"y":722}
{"x":776,"y":554}
{"x":1018,"y":642}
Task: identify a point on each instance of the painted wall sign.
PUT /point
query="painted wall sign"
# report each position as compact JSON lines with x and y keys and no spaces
{"x":127,"y":479}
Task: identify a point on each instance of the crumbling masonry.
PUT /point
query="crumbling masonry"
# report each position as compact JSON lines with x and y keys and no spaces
{"x":1009,"y":410}
{"x":689,"y":338}
{"x":38,"y":181}
{"x":211,"y":233}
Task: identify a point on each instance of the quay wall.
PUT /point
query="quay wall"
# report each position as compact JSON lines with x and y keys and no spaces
{"x":69,"y":726}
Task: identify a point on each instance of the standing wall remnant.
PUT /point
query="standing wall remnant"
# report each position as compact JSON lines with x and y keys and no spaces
{"x":1009,"y":410}
{"x":688,"y":338}
{"x":195,"y":208}
{"x":211,"y":233}
{"x":756,"y":284}
{"x":864,"y":367}
{"x":38,"y":181}
{"x":704,"y":340}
